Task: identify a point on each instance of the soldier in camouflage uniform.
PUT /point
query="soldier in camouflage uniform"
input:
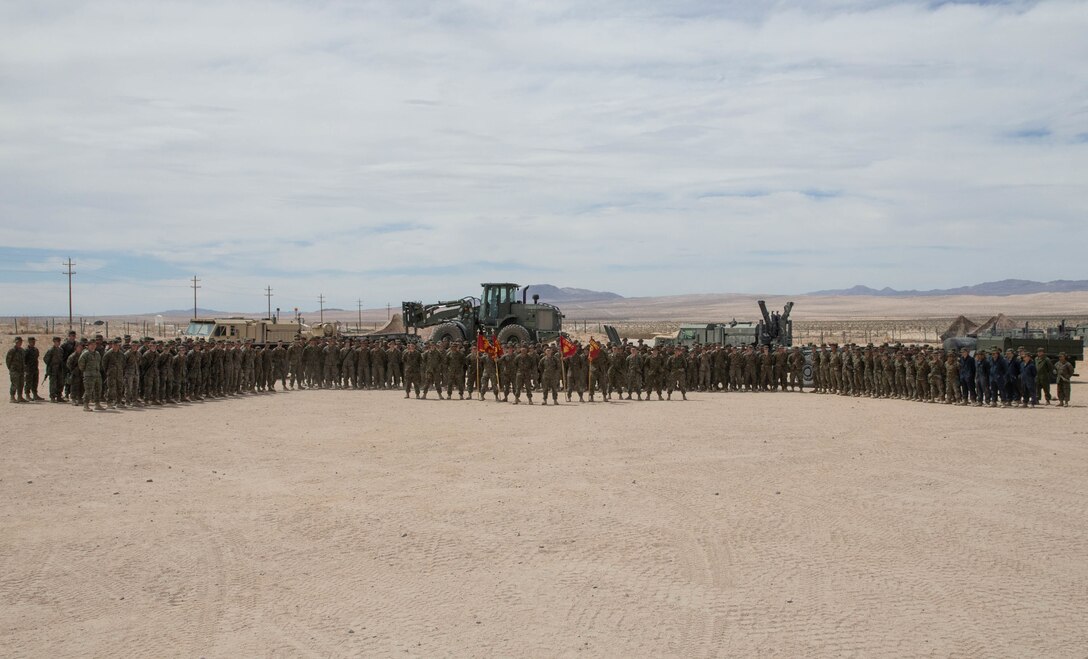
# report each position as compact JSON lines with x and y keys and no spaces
{"x":1063,"y":373}
{"x":15,"y":360}
{"x":432,"y":366}
{"x":524,"y":365}
{"x":550,"y":371}
{"x":54,"y":370}
{"x":114,"y":364}
{"x":90,"y":366}
{"x":413,"y":365}
{"x":617,"y":373}
{"x":677,"y":369}
{"x":633,"y":368}
{"x":455,"y":372}
{"x":279,"y":366}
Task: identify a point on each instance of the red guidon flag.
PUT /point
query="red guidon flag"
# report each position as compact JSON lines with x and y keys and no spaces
{"x":594,"y":350}
{"x":482,"y":345}
{"x":496,"y":347}
{"x":567,"y":347}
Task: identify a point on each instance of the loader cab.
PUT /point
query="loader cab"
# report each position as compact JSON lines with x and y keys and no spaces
{"x":496,"y":301}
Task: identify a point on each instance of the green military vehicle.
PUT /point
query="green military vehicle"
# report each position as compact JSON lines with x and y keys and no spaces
{"x":774,"y":330}
{"x":498,"y":311}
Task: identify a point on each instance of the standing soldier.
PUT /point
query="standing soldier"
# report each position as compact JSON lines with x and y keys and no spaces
{"x":432,"y":365}
{"x":634,"y":373}
{"x":616,"y":372}
{"x":90,"y":365}
{"x":982,"y":379}
{"x":413,"y":362}
{"x":576,"y":374}
{"x":131,"y":374}
{"x":455,"y":372}
{"x":1028,"y":373}
{"x":677,"y":372}
{"x":1044,"y":375}
{"x":148,"y":376}
{"x":75,"y":376}
{"x":594,"y":361}
{"x":181,"y":372}
{"x":114,"y":364}
{"x":377,"y":367}
{"x":507,"y":372}
{"x":796,"y":363}
{"x":30,"y":379}
{"x":279,"y":366}
{"x":54,"y":370}
{"x":655,"y":373}
{"x":952,"y":380}
{"x":489,"y":373}
{"x":550,"y":369}
{"x":523,"y":377}
{"x":16,"y":363}
{"x":1063,"y":372}
{"x":393,"y":364}
{"x":166,"y":371}
{"x":294,"y":363}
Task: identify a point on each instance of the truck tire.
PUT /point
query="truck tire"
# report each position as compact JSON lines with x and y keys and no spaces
{"x":514,"y":334}
{"x":449,"y":331}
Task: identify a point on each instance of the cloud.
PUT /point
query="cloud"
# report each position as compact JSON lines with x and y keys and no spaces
{"x":412,"y":150}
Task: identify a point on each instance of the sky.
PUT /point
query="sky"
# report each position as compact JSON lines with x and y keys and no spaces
{"x":386,"y":151}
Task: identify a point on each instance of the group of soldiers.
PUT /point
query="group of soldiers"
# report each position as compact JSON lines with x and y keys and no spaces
{"x":1013,"y":378}
{"x":122,"y":372}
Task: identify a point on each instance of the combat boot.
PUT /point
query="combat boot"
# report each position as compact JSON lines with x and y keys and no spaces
{"x":530,"y":400}
{"x":87,"y":406}
{"x":568,"y":396}
{"x":545,"y":402}
{"x":99,"y":406}
{"x":580,"y":398}
{"x":658,"y":396}
{"x":517,"y":400}
{"x":13,"y":398}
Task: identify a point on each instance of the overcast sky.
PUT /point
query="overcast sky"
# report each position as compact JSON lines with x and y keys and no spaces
{"x":410,"y":150}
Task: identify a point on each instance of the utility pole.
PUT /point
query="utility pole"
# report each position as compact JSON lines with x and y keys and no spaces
{"x":360,"y":303}
{"x":268,"y":294}
{"x":321,"y":301}
{"x":194,"y":287}
{"x":388,"y":306}
{"x":69,"y":272}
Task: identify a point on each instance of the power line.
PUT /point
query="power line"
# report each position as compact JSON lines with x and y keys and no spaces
{"x":195,"y":280}
{"x":69,"y":271}
{"x":360,"y":303}
{"x":268,"y":294}
{"x":321,"y":301}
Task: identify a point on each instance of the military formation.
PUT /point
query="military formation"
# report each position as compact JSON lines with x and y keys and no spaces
{"x":123,"y":372}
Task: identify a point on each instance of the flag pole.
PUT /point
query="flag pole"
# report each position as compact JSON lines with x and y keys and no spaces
{"x":478,"y":335}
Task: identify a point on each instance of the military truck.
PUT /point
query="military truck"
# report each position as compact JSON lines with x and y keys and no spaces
{"x":260,"y":331}
{"x":497,"y":311}
{"x":774,"y":330}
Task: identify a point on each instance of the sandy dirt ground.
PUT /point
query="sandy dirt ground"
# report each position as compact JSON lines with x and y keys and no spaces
{"x":323,"y":523}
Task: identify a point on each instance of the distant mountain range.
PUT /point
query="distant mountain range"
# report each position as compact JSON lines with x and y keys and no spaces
{"x":201,"y":312}
{"x":990,"y":288}
{"x":554,"y":294}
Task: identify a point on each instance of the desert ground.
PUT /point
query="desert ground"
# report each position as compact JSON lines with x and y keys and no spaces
{"x":345,"y":523}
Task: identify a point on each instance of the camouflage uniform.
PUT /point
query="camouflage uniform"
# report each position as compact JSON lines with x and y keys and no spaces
{"x":550,"y":368}
{"x":15,"y":360}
